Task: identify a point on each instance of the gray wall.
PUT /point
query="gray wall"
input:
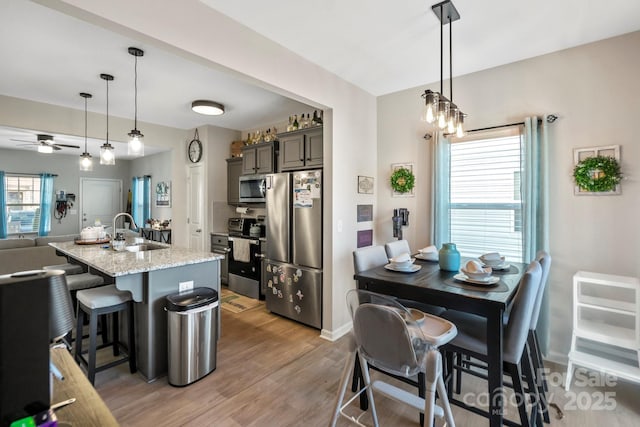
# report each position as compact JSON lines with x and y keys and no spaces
{"x":594,"y":90}
{"x":68,"y":179}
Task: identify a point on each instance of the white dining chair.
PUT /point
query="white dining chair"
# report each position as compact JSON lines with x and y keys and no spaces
{"x":396,"y":248}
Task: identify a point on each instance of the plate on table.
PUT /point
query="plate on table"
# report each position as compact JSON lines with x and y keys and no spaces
{"x":427,"y":256}
{"x":491,"y":280}
{"x":503,"y":266}
{"x":410,"y":269}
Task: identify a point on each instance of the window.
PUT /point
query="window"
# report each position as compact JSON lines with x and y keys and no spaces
{"x":22,"y":208}
{"x":485,"y":206}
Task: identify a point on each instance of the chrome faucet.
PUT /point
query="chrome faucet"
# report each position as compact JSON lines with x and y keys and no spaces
{"x":113,"y":230}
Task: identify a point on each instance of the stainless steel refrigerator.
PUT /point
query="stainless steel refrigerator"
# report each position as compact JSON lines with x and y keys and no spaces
{"x":293,"y":263}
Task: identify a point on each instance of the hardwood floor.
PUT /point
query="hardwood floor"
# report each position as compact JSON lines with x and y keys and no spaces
{"x":275,"y":372}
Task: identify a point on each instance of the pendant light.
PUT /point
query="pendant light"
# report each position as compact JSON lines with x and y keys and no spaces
{"x":107,"y":154}
{"x":439,"y":109}
{"x":135,"y":146}
{"x":86,"y":163}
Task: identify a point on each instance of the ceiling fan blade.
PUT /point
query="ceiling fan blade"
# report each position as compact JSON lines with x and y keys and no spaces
{"x":23,"y":140}
{"x":65,"y":145}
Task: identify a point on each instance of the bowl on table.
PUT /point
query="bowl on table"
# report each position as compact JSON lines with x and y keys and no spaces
{"x":492,"y":259}
{"x":473,"y":269}
{"x":402,"y":261}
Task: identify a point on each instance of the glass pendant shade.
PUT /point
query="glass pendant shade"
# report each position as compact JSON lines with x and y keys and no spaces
{"x":459,"y":128}
{"x":86,"y":162}
{"x":135,"y":146}
{"x":431,"y":102}
{"x":443,"y":114}
{"x":452,"y":121}
{"x":107,"y":156}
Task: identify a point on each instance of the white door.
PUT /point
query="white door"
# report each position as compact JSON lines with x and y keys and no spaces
{"x":195,"y":202}
{"x":100,"y":199}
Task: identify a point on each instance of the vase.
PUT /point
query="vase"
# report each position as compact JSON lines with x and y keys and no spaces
{"x":449,"y":257}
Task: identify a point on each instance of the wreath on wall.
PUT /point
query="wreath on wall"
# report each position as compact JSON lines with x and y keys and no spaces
{"x":402,"y":180}
{"x":597,"y":174}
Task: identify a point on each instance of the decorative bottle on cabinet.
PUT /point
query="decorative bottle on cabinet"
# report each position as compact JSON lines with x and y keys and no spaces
{"x":449,"y":257}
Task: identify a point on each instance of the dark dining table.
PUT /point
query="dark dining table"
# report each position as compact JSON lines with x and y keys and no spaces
{"x":438,"y":287}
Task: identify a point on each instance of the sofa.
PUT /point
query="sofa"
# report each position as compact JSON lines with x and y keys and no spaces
{"x":30,"y":254}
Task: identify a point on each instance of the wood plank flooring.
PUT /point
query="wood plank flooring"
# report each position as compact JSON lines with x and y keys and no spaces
{"x":275,"y":372}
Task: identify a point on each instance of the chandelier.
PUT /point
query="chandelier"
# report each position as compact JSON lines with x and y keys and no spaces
{"x":135,"y":146}
{"x":440,"y":109}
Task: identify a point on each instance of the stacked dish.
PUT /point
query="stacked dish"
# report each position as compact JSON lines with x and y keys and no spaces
{"x":474,"y":272}
{"x":430,"y":253}
{"x":494,"y":260}
{"x":403,"y":263}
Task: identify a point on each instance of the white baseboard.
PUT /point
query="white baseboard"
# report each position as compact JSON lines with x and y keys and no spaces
{"x":337,"y":333}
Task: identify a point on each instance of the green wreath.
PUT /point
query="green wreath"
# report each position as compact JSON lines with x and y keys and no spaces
{"x":597,"y":174}
{"x":402,"y":180}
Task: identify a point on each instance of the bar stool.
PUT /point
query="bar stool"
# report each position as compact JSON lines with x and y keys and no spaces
{"x":101,"y":301}
{"x":68,"y":268}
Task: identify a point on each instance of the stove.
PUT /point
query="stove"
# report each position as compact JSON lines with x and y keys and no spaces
{"x":245,"y":258}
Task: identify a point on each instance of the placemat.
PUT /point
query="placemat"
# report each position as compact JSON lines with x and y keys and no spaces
{"x":498,"y":287}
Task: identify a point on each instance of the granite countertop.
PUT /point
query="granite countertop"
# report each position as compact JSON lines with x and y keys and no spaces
{"x":121,"y":263}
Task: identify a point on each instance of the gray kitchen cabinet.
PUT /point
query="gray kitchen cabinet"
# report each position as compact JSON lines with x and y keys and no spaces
{"x":234,"y":170}
{"x":258,"y":158}
{"x":300,"y":149}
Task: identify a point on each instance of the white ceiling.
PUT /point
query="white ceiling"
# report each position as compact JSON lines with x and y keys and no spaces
{"x":379,"y":45}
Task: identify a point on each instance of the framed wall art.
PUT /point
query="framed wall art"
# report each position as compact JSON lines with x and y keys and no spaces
{"x":365,"y":213}
{"x":402,"y":180}
{"x":365,"y":184}
{"x":596,"y":170}
{"x":365,"y":238}
{"x":163,"y":194}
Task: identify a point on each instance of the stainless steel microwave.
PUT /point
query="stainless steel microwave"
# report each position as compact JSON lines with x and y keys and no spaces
{"x":253,"y":188}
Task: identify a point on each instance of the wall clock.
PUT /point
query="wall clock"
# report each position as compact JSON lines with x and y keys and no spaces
{"x":195,"y":149}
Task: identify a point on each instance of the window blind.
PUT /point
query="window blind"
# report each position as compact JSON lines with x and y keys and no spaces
{"x":485,"y":209}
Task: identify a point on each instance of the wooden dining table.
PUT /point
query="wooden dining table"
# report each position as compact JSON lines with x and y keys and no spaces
{"x":433,"y":286}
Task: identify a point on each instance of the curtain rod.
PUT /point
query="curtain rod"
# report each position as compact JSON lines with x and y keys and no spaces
{"x":29,"y":174}
{"x":550,"y":119}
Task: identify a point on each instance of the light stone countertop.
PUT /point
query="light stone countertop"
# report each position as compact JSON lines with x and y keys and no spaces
{"x":122,"y":263}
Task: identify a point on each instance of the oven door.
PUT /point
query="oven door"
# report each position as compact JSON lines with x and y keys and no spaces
{"x":244,"y":257}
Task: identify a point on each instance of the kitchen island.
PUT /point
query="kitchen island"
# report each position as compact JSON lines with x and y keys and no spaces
{"x":150,"y":275}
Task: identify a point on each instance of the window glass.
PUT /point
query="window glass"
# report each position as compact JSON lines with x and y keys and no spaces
{"x":23,"y":203}
{"x":485,"y":196}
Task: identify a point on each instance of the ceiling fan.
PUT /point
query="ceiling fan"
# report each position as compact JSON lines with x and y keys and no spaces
{"x":45,"y":143}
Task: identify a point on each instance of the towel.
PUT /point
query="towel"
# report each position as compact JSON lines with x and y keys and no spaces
{"x":241,"y":250}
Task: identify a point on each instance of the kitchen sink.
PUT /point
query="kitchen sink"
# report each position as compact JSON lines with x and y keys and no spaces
{"x":143,"y":247}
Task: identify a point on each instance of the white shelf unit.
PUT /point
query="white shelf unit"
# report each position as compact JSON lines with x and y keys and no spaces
{"x":606,"y":311}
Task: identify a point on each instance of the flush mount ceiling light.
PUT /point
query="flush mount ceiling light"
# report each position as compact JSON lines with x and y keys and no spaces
{"x":208,"y":108}
{"x":135,"y":146}
{"x":107,"y":156}
{"x":439,"y":108}
{"x":86,"y":163}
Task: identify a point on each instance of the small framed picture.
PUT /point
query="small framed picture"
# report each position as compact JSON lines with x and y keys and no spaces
{"x":163,"y":194}
{"x":365,"y":213}
{"x":365,"y":184}
{"x":365,"y":238}
{"x":405,"y":183}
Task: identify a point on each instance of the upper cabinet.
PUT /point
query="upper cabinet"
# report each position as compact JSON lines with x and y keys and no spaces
{"x":259,"y":158}
{"x":234,"y":170}
{"x":301,"y":149}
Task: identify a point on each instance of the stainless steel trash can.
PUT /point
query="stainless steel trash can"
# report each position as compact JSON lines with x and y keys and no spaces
{"x":192,"y":325}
